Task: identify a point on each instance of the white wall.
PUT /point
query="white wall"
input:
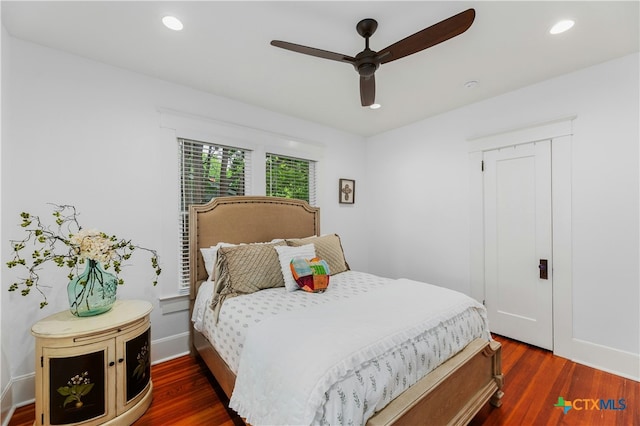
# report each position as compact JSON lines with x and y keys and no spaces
{"x":5,"y":375}
{"x":79,"y":132}
{"x":83,"y":133}
{"x":425,"y":203}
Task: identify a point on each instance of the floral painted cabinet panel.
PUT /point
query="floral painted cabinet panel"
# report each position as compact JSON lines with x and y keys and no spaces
{"x":135,"y":374}
{"x":94,"y":370}
{"x":78,"y":386}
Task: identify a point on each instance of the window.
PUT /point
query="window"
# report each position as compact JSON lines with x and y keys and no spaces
{"x":207,"y":171}
{"x":290,"y":178}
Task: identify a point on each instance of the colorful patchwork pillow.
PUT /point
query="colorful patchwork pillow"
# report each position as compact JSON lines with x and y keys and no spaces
{"x":311,"y":275}
{"x":285,"y":254}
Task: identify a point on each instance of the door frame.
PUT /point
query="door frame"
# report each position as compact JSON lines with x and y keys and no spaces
{"x":560,"y":133}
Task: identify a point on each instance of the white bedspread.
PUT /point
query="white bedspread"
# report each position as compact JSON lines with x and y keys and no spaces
{"x":290,"y":361}
{"x":239,"y":314}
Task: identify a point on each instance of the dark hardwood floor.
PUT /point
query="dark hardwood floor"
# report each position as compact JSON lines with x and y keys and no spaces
{"x":186,"y":394}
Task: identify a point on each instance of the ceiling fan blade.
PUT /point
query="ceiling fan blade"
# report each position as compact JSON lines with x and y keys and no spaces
{"x":437,"y":33}
{"x":325,"y":54}
{"x":367,"y":90}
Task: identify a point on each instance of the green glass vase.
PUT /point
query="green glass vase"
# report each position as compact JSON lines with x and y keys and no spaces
{"x":93,"y":292}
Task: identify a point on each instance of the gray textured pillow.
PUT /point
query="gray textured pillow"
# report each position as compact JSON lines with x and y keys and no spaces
{"x":328,"y":248}
{"x":245,"y":269}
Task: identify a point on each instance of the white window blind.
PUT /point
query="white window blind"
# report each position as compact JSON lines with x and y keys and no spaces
{"x":207,"y":171}
{"x":291,"y":178}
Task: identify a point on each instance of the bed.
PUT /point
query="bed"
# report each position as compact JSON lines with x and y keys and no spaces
{"x":451,"y":393}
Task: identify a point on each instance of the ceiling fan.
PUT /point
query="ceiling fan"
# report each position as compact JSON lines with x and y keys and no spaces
{"x":368,"y":61}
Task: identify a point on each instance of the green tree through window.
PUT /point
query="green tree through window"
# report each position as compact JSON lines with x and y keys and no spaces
{"x":210,"y":171}
{"x":290,"y":178}
{"x":207,"y":171}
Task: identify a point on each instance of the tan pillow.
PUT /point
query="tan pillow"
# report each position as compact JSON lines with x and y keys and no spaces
{"x":328,"y":248}
{"x":245,"y":269}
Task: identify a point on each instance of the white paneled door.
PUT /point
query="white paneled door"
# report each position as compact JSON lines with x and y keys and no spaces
{"x":518,"y":242}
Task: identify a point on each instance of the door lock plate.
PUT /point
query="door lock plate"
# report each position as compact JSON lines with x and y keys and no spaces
{"x":543,"y":266}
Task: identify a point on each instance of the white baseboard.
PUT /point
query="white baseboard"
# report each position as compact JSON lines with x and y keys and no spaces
{"x":614,"y":361}
{"x":6,"y":415}
{"x":6,"y":405}
{"x":169,"y":347}
{"x":20,"y":391}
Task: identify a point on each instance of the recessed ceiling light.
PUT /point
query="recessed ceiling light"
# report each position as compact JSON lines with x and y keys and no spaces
{"x":471,"y":84}
{"x":561,"y":26}
{"x":172,"y":23}
{"x":375,"y":106}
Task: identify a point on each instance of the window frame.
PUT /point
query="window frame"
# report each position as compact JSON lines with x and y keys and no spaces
{"x":186,"y":201}
{"x":178,"y":124}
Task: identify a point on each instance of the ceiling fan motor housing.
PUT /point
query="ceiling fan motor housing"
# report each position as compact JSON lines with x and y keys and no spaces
{"x":365,"y":63}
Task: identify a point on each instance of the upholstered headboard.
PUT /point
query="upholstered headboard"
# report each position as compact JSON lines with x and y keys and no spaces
{"x":245,"y":219}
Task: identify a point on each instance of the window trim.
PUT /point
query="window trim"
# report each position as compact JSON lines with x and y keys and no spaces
{"x":257,"y":141}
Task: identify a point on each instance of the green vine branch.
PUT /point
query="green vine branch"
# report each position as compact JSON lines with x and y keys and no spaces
{"x":68,"y":245}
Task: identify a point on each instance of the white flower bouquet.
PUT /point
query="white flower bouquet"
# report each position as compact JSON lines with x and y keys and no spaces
{"x":68,"y":245}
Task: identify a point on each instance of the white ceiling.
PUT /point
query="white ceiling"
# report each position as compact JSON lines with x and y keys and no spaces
{"x":224,"y":49}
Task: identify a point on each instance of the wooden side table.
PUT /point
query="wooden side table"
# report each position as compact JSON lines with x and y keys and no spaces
{"x":94,"y":370}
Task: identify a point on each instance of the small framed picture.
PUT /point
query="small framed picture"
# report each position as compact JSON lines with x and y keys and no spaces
{"x":347,"y":194}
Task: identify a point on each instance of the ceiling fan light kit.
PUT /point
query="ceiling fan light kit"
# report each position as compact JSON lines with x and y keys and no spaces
{"x":368,"y":61}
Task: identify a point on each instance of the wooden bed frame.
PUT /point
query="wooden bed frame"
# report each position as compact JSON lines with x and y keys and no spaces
{"x":451,"y":394}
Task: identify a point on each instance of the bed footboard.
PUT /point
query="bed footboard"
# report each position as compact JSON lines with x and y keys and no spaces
{"x":453,"y":393}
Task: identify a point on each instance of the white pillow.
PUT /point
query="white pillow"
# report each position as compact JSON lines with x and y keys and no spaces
{"x":210,"y":256}
{"x":203,"y":300}
{"x":285,"y":254}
